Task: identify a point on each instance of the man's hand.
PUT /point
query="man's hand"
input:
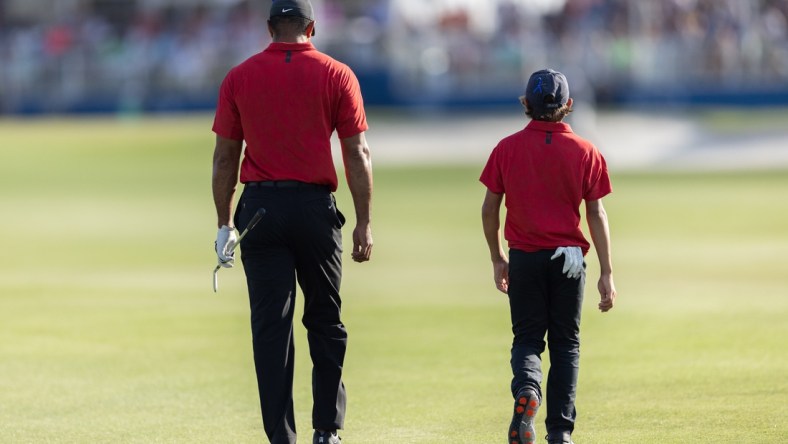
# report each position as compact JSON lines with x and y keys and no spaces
{"x":607,"y":292}
{"x":225,"y":243}
{"x":501,"y":275}
{"x":573,"y":261}
{"x":362,"y":243}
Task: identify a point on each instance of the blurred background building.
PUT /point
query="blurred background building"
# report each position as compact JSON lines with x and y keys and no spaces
{"x":169,"y":55}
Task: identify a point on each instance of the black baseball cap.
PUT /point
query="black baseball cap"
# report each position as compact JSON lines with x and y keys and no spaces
{"x":547,"y":90}
{"x":297,"y":8}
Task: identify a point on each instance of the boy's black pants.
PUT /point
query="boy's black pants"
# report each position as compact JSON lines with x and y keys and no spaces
{"x":298,"y":239}
{"x":544,"y":301}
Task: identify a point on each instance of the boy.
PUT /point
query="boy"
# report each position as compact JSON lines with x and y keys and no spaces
{"x":546,"y":171}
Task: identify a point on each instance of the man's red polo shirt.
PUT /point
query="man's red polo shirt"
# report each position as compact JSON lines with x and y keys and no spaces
{"x":545,"y":170}
{"x":285,"y":102}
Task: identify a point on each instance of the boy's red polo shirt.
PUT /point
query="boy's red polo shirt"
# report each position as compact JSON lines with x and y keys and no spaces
{"x":285,"y":102}
{"x":546,"y":171}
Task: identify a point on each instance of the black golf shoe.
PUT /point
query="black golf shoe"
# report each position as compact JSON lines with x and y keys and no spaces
{"x":322,"y":437}
{"x":559,"y":438}
{"x":522,"y":430}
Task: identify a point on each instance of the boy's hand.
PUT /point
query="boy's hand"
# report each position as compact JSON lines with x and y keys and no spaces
{"x":607,"y":292}
{"x":501,"y":275}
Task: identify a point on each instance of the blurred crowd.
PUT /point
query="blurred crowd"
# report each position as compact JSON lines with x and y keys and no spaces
{"x":607,"y":47}
{"x":165,"y":57}
{"x":174,"y":55}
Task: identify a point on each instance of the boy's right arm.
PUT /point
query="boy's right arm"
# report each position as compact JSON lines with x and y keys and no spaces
{"x":492,"y":233}
{"x":600,"y":234}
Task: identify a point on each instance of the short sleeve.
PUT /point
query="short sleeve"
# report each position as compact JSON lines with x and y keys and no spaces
{"x":227,"y":122}
{"x":491,"y":175}
{"x":351,"y":118}
{"x":597,"y":184}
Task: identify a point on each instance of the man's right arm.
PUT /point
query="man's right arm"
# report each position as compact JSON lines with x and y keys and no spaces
{"x":600,"y":234}
{"x":226,"y":161}
{"x":358,"y":170}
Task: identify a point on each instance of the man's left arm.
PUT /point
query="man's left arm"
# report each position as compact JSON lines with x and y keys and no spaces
{"x":358,"y":170}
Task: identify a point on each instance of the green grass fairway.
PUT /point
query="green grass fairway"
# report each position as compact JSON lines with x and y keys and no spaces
{"x":110,"y":333}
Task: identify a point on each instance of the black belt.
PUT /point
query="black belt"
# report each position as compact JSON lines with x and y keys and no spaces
{"x":286,"y":184}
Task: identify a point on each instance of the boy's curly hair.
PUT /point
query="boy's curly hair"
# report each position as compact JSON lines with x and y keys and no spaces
{"x":547,"y":115}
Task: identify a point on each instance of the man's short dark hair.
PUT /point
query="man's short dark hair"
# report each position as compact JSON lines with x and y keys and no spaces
{"x":289,"y":25}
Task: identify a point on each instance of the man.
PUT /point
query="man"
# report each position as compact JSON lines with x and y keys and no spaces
{"x":285,"y":104}
{"x":545,"y":171}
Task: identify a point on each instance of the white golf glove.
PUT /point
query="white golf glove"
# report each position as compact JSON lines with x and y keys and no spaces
{"x":225,"y":244}
{"x":573,"y":261}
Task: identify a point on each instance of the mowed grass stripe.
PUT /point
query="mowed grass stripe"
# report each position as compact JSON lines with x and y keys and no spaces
{"x":111,"y":333}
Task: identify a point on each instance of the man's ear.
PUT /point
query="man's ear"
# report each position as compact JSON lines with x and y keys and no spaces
{"x":310,"y":29}
{"x":569,"y":102}
{"x":523,"y":101}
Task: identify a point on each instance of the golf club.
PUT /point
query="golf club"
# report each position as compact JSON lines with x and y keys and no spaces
{"x":255,"y":219}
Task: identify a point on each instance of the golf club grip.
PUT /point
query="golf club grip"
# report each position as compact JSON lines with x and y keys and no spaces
{"x":255,"y":219}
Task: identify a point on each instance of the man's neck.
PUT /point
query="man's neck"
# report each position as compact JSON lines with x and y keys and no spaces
{"x":300,"y":39}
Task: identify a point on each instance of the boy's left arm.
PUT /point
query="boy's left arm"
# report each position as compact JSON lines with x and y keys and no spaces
{"x":600,"y":234}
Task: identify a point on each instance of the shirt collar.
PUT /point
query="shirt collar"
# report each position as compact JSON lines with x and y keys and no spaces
{"x":554,"y":127}
{"x":278,"y":46}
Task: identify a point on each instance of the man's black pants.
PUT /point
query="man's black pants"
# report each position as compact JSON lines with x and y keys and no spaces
{"x":544,"y":301}
{"x":300,"y":239}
